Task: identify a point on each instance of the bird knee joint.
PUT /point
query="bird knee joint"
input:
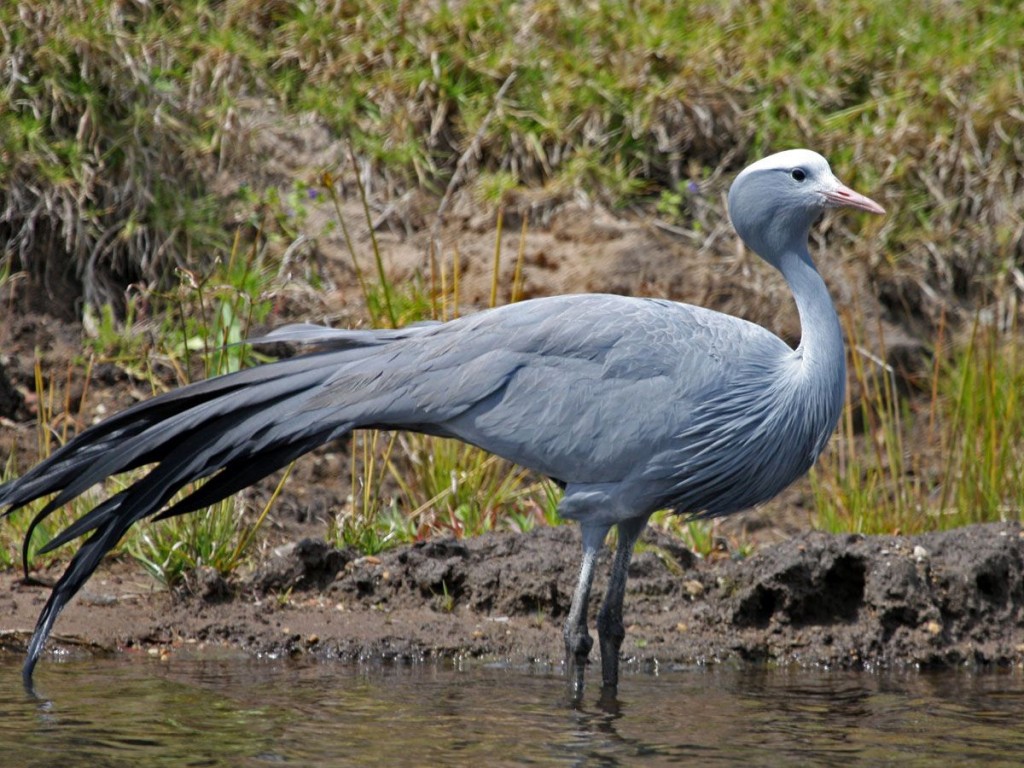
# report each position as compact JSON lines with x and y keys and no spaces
{"x":577,"y":643}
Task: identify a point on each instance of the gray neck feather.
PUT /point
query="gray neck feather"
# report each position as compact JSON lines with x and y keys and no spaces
{"x":820,"y":359}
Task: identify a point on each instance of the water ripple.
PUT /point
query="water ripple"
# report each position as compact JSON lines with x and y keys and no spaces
{"x":218,"y":712}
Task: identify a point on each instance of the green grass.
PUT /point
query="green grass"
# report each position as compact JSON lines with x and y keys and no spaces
{"x":983,"y":434}
{"x":219,"y":537}
{"x":211,"y":314}
{"x":118,"y":116}
{"x":703,"y":537}
{"x":951,"y":457}
{"x":53,"y":428}
{"x":195,"y":334}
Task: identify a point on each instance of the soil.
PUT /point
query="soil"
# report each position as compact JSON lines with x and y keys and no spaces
{"x":807,"y":598}
{"x":936,"y":600}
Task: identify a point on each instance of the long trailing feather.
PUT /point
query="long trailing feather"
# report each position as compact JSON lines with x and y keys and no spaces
{"x":229,"y":432}
{"x":233,"y":430}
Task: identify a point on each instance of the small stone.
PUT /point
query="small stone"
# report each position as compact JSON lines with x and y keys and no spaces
{"x":285,"y":550}
{"x":920,"y":553}
{"x":681,"y":627}
{"x":693,"y":588}
{"x":933,"y":627}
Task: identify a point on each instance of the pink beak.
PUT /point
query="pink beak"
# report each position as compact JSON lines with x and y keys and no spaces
{"x":842,"y":196}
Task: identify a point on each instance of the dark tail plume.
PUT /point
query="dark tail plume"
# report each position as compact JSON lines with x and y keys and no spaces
{"x":231,"y":431}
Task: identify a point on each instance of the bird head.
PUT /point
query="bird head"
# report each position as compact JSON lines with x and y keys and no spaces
{"x":774,"y":202}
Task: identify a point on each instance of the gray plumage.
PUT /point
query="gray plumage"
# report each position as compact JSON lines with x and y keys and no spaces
{"x":633,"y":405}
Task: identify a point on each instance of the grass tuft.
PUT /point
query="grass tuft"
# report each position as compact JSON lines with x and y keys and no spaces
{"x":947,"y":460}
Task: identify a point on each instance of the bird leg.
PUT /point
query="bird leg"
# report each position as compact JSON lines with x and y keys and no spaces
{"x":578,"y":641}
{"x":610,"y":629}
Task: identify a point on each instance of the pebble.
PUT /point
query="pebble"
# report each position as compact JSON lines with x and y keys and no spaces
{"x":693,"y":588}
{"x":920,"y":553}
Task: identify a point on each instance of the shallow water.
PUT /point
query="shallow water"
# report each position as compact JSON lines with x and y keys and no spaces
{"x":211,"y":712}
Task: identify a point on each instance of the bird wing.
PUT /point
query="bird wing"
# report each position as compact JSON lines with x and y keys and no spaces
{"x":580,"y":388}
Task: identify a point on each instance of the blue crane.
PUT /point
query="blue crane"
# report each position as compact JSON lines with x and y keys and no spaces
{"x":630,"y":404}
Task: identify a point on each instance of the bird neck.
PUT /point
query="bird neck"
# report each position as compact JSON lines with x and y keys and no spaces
{"x":821,"y":353}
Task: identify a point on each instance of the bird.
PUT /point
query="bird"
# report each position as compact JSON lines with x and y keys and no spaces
{"x":630,"y":404}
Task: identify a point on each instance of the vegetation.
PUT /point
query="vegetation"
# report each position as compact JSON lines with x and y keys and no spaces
{"x":118,"y":114}
{"x":118,"y":119}
{"x":52,"y":430}
{"x":948,"y":459}
{"x":204,"y":318}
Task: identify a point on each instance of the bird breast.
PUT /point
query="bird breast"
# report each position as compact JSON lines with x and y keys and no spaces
{"x":745,"y":444}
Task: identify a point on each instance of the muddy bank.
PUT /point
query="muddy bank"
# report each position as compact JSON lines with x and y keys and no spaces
{"x":946,"y":599}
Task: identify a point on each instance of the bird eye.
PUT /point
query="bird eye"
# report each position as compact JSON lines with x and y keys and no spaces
{"x":798,"y":174}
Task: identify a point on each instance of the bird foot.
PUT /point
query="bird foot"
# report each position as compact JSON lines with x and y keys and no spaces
{"x":577,"y":649}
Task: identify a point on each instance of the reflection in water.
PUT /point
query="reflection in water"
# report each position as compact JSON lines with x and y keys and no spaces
{"x":201,"y":711}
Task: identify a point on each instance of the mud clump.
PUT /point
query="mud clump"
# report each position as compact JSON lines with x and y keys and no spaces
{"x":936,"y":600}
{"x":940,"y":599}
{"x":305,"y":564}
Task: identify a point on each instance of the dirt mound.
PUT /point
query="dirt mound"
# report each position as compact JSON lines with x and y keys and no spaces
{"x":932,"y":600}
{"x":940,"y":599}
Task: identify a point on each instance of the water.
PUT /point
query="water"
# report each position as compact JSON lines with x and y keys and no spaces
{"x":240,"y":712}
